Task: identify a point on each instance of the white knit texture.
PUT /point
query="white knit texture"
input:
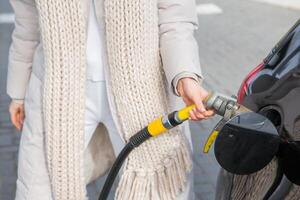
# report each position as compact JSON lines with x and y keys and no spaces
{"x":157,"y":169}
{"x":63,"y":36}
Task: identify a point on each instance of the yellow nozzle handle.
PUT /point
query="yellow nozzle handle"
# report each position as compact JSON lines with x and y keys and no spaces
{"x":156,"y":127}
{"x":184,"y":113}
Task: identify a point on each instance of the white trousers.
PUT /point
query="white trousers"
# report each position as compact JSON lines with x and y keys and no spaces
{"x":97,"y":111}
{"x":33,"y":180}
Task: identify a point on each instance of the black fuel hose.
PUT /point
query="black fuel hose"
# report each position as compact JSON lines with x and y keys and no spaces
{"x":134,"y":142}
{"x":155,"y":128}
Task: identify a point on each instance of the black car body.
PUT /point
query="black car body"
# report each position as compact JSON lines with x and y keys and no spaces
{"x":272,"y":89}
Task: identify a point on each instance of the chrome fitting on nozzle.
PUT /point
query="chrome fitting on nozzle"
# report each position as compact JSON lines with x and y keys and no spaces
{"x":222,"y":105}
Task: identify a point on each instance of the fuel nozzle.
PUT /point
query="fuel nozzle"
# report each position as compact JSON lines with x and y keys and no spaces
{"x":245,"y":141}
{"x":223,"y":105}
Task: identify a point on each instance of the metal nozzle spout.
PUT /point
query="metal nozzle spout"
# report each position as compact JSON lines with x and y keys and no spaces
{"x":223,"y":105}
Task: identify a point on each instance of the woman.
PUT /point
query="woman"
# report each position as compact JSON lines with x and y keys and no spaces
{"x":59,"y":96}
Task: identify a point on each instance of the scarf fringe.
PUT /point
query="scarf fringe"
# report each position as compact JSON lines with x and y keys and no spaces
{"x":164,"y":183}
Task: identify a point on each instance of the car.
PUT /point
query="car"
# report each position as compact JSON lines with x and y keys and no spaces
{"x":273,"y":90}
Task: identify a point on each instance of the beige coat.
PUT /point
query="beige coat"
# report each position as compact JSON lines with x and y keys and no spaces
{"x":178,"y":48}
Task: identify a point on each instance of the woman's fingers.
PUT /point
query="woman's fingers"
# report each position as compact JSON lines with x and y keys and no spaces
{"x":208,"y":113}
{"x":196,"y":115}
{"x":192,"y":93}
{"x":13,"y":119}
{"x":200,"y":108}
{"x":17,"y":115}
{"x":22,"y":116}
{"x":19,"y":120}
{"x":192,"y":115}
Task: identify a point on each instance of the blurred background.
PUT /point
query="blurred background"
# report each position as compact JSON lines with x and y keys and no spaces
{"x":234,"y":36}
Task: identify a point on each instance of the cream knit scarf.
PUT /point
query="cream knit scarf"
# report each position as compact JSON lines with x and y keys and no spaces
{"x":157,"y":169}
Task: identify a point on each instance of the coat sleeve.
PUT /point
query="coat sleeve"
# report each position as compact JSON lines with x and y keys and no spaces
{"x":25,"y":38}
{"x":178,"y":47}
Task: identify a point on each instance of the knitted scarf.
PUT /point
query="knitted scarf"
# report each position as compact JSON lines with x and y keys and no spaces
{"x":157,"y":169}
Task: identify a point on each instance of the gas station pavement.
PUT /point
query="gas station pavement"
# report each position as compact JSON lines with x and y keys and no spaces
{"x":232,"y":40}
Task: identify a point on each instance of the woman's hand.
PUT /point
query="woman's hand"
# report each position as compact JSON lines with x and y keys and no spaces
{"x":17,"y":114}
{"x":192,"y":93}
